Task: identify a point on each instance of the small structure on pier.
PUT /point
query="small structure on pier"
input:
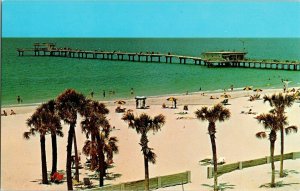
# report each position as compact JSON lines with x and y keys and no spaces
{"x":44,"y":46}
{"x":224,"y":56}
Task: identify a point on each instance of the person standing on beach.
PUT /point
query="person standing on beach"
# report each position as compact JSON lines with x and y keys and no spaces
{"x":231,"y":87}
{"x":18,"y":99}
{"x":92,"y":94}
{"x":103,"y":93}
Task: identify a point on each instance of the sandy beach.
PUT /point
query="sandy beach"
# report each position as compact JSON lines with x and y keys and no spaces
{"x":180,"y":145}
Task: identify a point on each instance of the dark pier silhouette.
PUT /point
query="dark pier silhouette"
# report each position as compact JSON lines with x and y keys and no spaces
{"x":209,"y":59}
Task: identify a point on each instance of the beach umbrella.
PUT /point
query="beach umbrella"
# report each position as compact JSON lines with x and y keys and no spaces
{"x":247,"y":88}
{"x":120,"y":102}
{"x":258,"y":90}
{"x":226,"y":95}
{"x":171,"y":99}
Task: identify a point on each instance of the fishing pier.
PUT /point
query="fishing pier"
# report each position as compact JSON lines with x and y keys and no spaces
{"x":209,"y":59}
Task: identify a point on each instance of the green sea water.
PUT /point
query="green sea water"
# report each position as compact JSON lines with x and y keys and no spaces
{"x":38,"y":79}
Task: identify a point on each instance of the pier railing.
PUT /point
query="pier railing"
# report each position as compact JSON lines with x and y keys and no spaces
{"x":154,"y":183}
{"x":222,"y":169}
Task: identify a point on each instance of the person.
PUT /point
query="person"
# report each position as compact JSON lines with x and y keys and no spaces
{"x":92,"y":94}
{"x":4,"y":113}
{"x":231,"y":87}
{"x":284,"y":88}
{"x":103,"y":93}
{"x":18,"y":99}
{"x":175,"y":103}
{"x":200,"y":89}
{"x":131,"y":91}
{"x":12,"y":112}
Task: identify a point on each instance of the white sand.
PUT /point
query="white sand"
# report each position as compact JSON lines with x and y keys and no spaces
{"x":180,"y":145}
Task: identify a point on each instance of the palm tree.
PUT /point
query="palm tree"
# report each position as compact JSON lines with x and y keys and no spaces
{"x":68,"y":104}
{"x":271,"y":122}
{"x":43,"y":121}
{"x":143,"y":124}
{"x":280,"y":102}
{"x":91,"y":130}
{"x":55,"y":130}
{"x":216,"y":113}
{"x":96,"y":126}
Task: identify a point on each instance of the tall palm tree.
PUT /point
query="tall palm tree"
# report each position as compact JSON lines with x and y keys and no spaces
{"x":96,"y":126}
{"x":43,"y":122}
{"x":68,"y":105}
{"x":271,"y":122}
{"x":143,"y":124}
{"x":280,"y":102}
{"x":56,"y":130}
{"x":212,"y":115}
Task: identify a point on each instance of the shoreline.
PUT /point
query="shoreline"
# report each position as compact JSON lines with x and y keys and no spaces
{"x":217,"y":92}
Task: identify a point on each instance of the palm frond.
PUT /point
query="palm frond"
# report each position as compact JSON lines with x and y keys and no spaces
{"x":268,"y":99}
{"x":68,"y":104}
{"x":261,"y":135}
{"x":201,"y":114}
{"x":269,"y":120}
{"x":291,"y":129}
{"x":159,"y":120}
{"x":26,"y":135}
{"x":59,"y":133}
{"x":280,"y":101}
{"x":129,"y":117}
{"x":151,"y":156}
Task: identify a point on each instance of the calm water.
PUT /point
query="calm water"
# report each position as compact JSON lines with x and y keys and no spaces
{"x":38,"y":79}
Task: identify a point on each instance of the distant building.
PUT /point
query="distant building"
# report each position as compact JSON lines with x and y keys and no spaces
{"x":224,"y":56}
{"x":44,"y":46}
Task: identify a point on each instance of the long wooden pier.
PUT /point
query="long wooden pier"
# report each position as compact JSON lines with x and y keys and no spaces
{"x":49,"y":49}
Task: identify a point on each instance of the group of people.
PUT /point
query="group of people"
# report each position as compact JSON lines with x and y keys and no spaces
{"x":12,"y":112}
{"x":111,"y":92}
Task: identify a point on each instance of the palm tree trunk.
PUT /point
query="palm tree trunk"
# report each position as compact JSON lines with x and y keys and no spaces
{"x":93,"y":158}
{"x":214,"y":150}
{"x":76,"y":159}
{"x":69,"y":156}
{"x":281,"y":151}
{"x":54,"y":153}
{"x":101,"y":159}
{"x":44,"y":160}
{"x":146,"y":173}
{"x":272,"y":147}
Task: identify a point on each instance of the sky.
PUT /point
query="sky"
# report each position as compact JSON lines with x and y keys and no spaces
{"x":79,"y":18}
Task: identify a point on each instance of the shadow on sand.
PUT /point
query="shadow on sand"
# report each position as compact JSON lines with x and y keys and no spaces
{"x":221,"y":186}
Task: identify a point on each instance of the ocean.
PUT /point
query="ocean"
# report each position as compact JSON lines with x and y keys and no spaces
{"x":38,"y":79}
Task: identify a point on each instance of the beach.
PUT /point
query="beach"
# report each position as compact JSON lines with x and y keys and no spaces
{"x":180,"y":145}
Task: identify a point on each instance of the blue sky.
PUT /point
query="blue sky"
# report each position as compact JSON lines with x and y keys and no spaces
{"x":150,"y":19}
